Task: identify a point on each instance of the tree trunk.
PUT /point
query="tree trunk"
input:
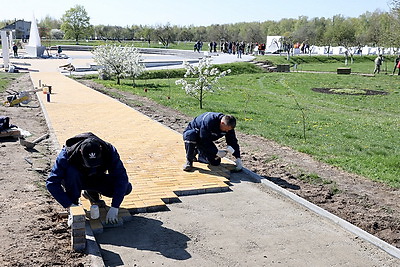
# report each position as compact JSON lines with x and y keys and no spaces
{"x":201,"y":98}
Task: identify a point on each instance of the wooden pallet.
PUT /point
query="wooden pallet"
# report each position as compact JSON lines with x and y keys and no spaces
{"x":12,"y":132}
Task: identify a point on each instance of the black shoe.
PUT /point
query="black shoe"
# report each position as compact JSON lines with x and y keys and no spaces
{"x":188,"y":166}
{"x":94,"y":198}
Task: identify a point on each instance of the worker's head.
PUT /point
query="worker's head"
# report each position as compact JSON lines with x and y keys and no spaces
{"x":91,"y":153}
{"x":228,"y":122}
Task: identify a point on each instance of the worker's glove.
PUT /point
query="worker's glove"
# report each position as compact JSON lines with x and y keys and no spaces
{"x":112,"y":216}
{"x":221,"y":153}
{"x":239,"y":165}
{"x":230,"y":150}
{"x":94,"y":212}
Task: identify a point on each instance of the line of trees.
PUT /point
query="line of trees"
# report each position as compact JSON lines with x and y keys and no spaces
{"x":378,"y":28}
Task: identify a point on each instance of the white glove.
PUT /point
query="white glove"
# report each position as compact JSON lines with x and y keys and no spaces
{"x":94,"y":212}
{"x":221,"y":153}
{"x":112,"y":216}
{"x":239,"y":165}
{"x":230,"y":150}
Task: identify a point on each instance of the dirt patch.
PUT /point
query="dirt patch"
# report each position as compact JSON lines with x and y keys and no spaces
{"x":348,"y":91}
{"x":32,"y":233}
{"x":372,"y":206}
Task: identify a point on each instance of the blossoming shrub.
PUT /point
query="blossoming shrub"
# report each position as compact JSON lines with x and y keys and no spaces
{"x":200,"y":80}
{"x":119,"y":61}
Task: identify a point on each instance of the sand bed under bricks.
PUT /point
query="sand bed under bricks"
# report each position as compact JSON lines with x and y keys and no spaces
{"x":152,"y":154}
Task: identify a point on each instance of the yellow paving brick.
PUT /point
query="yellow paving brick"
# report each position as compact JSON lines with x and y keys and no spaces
{"x":152,"y":154}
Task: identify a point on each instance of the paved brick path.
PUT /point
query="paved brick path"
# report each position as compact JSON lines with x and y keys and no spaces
{"x":153,"y":154}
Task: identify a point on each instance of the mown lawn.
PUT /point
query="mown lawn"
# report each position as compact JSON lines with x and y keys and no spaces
{"x":358,"y":133}
{"x":360,"y":64}
{"x":5,"y":79}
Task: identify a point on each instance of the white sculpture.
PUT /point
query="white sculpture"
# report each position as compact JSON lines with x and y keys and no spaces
{"x":34,"y":47}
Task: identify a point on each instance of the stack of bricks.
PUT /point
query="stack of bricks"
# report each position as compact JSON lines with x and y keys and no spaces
{"x":78,"y":235}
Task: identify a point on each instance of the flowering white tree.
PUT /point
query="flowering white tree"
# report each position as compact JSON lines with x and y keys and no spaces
{"x":206,"y":79}
{"x":133,"y":64}
{"x":118,"y":60}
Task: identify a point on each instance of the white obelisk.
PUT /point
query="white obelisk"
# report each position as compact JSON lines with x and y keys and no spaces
{"x":34,"y":47}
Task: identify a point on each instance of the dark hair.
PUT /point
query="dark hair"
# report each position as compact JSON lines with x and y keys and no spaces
{"x":229,"y":120}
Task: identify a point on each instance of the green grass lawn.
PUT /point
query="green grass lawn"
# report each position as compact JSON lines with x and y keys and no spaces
{"x":358,"y":133}
{"x":5,"y":79}
{"x":360,"y":64}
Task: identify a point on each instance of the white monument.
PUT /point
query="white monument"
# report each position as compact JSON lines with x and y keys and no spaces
{"x":5,"y":50}
{"x":273,"y":44}
{"x":34,"y":47}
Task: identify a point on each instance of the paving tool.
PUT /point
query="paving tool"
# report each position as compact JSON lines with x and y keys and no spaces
{"x":32,"y":144}
{"x":18,"y":98}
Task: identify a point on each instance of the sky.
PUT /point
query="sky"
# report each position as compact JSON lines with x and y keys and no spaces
{"x":188,"y":12}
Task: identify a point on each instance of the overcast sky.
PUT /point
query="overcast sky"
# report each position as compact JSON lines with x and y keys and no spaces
{"x":188,"y":12}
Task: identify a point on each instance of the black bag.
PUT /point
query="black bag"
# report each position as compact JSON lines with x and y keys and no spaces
{"x":5,"y":123}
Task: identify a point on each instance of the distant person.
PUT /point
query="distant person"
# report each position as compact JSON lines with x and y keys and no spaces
{"x":15,"y":50}
{"x":378,"y":62}
{"x":215,"y":46}
{"x":199,"y":137}
{"x":88,"y":163}
{"x":396,"y":64}
{"x":59,"y":50}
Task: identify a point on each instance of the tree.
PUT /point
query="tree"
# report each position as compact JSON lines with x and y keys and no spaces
{"x":56,"y":34}
{"x":50,"y":23}
{"x":133,"y":63}
{"x":118,"y":60}
{"x":75,"y":23}
{"x":165,"y":34}
{"x":206,"y":80}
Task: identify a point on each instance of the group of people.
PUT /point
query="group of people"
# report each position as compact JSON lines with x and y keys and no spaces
{"x":379,"y":61}
{"x":91,"y":167}
{"x":235,"y":48}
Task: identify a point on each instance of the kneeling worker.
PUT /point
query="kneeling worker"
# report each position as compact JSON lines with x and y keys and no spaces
{"x":88,"y":163}
{"x":199,"y":137}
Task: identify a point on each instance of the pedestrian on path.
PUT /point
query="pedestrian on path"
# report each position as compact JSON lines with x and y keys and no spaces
{"x":15,"y":50}
{"x":396,"y":64}
{"x":378,"y":62}
{"x":88,"y":163}
{"x":199,"y":137}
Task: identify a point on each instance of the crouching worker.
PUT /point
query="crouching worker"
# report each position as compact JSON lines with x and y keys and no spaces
{"x":88,"y":163}
{"x":199,"y":137}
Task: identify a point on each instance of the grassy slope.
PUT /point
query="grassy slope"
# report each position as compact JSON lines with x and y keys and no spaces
{"x":356,"y":133}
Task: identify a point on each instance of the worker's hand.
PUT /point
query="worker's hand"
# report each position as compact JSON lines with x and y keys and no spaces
{"x":221,"y":153}
{"x":112,"y":216}
{"x":239,"y":165}
{"x":230,"y":150}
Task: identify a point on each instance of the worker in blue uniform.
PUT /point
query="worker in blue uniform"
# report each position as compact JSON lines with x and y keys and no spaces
{"x":199,"y":137}
{"x":88,"y":163}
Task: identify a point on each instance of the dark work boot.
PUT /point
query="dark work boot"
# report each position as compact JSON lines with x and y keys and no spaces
{"x":188,"y":166}
{"x":94,"y":198}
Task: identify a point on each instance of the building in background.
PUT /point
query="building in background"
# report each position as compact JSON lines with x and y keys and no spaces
{"x":20,"y":28}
